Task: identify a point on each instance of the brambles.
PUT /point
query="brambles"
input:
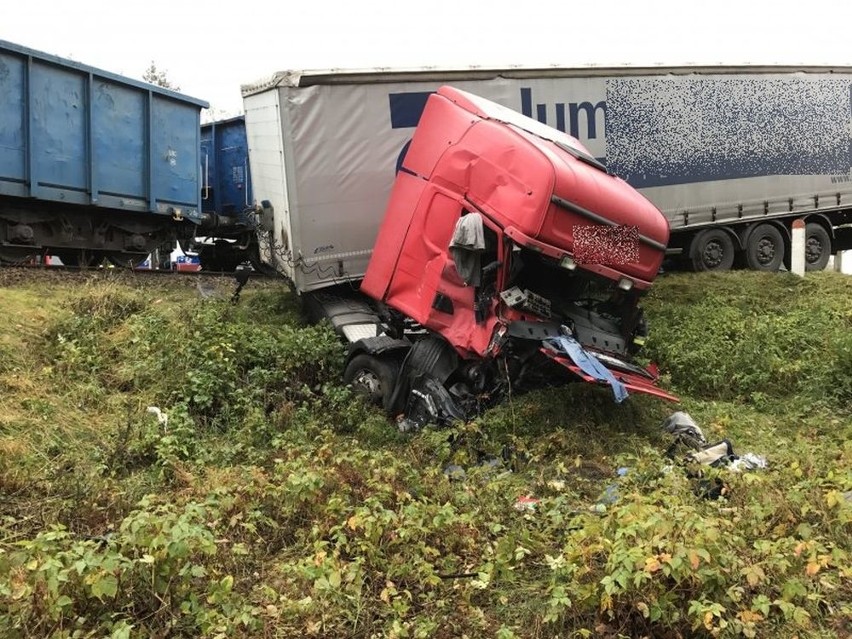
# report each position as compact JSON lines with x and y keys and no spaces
{"x":753,"y":336}
{"x":275,"y":503}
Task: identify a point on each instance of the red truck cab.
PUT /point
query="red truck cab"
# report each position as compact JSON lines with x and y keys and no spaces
{"x":505,"y":238}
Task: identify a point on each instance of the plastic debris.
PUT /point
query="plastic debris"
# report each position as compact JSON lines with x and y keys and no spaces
{"x":455,"y":472}
{"x":749,"y":461}
{"x":687,"y":434}
{"x":526,"y":503}
{"x":610,"y":494}
{"x":162,"y":418}
{"x":684,"y":429}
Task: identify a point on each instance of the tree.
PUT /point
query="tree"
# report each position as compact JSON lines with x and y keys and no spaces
{"x":153,"y":75}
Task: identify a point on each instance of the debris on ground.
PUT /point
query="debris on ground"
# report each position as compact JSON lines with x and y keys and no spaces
{"x":526,"y":502}
{"x":610,"y":494}
{"x":162,"y":418}
{"x":689,"y":437}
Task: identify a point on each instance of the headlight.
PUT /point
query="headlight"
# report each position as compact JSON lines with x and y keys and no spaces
{"x":625,"y":284}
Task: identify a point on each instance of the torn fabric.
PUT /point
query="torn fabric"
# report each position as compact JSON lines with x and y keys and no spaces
{"x":466,"y":246}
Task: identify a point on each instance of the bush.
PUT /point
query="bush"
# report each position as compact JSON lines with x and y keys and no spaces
{"x":279,"y":505}
{"x":197,"y":356}
{"x":746,"y":335}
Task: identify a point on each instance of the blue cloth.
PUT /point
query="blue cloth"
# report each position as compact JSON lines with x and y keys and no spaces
{"x":588,"y":363}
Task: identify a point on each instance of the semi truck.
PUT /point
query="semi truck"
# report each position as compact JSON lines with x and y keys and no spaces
{"x":508,"y":258}
{"x":731,"y":155}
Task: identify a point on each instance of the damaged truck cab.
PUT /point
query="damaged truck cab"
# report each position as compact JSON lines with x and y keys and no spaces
{"x":508,"y":258}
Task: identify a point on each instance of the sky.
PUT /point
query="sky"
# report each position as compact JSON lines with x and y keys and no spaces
{"x":209,"y":49}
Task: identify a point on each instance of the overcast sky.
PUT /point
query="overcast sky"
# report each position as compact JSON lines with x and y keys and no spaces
{"x":210,"y":48}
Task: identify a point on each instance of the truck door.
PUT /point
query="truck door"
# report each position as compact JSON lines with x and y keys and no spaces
{"x":426,"y":283}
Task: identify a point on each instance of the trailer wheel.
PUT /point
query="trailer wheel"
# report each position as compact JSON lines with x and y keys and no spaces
{"x":817,"y":247}
{"x":372,"y":377}
{"x":765,"y":249}
{"x":712,"y":250}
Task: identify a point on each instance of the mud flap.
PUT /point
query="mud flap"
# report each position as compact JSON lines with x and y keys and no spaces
{"x":432,"y":357}
{"x":429,"y":402}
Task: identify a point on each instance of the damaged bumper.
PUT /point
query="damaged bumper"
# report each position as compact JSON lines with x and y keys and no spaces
{"x":631,"y":377}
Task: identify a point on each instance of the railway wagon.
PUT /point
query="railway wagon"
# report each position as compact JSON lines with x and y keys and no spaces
{"x":227,"y":231}
{"x":93,"y":165}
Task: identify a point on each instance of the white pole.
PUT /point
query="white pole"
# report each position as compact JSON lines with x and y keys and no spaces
{"x":797,"y":259}
{"x":838,"y":261}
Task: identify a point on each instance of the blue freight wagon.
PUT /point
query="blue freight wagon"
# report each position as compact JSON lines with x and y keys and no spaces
{"x":93,"y":165}
{"x":228,"y":217}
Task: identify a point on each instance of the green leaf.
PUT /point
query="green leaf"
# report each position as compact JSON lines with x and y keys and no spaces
{"x":121,"y":630}
{"x":105,"y":585}
{"x":334,"y":579}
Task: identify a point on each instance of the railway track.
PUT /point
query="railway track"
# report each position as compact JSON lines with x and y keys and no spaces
{"x":11,"y":274}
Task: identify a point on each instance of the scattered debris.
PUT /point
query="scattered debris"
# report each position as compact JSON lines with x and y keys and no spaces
{"x":749,"y":461}
{"x":688,"y":435}
{"x":455,"y":472}
{"x":685,"y":431}
{"x":610,"y":494}
{"x":526,"y":502}
{"x":162,"y":418}
{"x":242,"y":275}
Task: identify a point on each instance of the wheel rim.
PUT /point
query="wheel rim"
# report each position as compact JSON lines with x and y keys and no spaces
{"x":813,"y":250}
{"x":714,"y":253}
{"x":368,"y":382}
{"x":765,"y":251}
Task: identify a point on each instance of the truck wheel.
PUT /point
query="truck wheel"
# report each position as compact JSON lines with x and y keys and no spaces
{"x":817,"y":247}
{"x":372,"y":377}
{"x":712,"y":250}
{"x":765,"y":249}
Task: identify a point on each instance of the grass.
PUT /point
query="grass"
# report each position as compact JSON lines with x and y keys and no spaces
{"x":275,"y":504}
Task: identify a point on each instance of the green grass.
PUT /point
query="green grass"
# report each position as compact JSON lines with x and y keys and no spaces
{"x":275,"y":504}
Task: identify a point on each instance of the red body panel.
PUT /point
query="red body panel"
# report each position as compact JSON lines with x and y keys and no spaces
{"x":532,"y":186}
{"x":635,"y":383}
{"x":410,"y":264}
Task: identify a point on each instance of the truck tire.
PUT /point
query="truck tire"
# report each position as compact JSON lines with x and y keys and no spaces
{"x":712,"y":250}
{"x":765,"y":248}
{"x":372,"y":377}
{"x":817,"y":247}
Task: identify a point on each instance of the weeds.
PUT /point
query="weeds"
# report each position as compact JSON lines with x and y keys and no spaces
{"x":274,"y":503}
